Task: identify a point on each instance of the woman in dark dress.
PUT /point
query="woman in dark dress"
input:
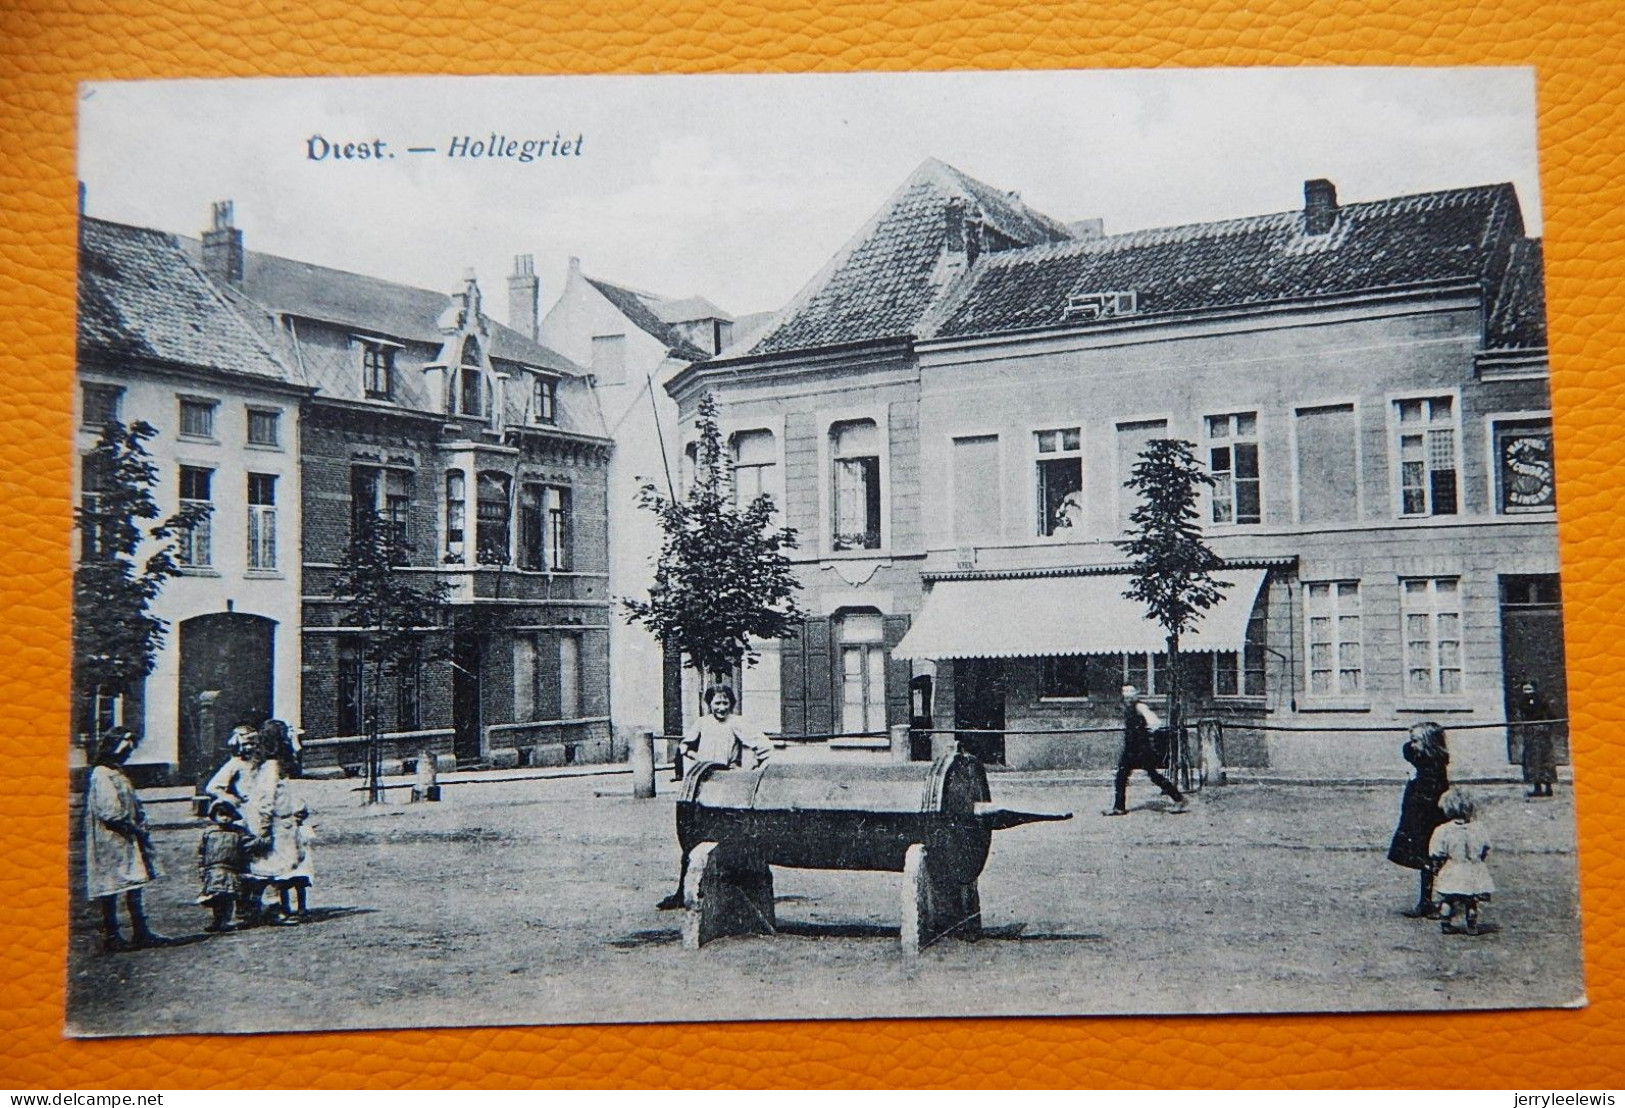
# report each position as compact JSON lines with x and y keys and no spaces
{"x":1539,"y":761}
{"x":1419,"y":811}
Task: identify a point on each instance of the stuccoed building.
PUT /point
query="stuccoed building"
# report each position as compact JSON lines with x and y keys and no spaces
{"x":632,"y":342}
{"x":487,"y":452}
{"x":958,"y":397}
{"x":159,"y":343}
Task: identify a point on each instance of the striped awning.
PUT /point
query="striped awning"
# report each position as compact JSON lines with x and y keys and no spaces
{"x":1048,"y":616}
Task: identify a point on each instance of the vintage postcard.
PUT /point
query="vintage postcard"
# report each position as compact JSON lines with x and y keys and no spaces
{"x":594,"y":550}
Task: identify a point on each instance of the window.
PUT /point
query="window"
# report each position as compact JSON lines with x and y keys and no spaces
{"x":1523,"y":466}
{"x":193,"y":544}
{"x":261,"y":521}
{"x":559,"y":528}
{"x":756,"y":467}
{"x":1531,"y":590}
{"x":1147,"y":672}
{"x":1328,"y":470}
{"x":1431,"y":610}
{"x":856,"y":515}
{"x":688,"y":468}
{"x":365,"y":483}
{"x":1064,"y":678}
{"x":544,"y":398}
{"x":263,"y":427}
{"x":398,"y":507}
{"x":378,"y":371}
{"x":1132,"y":439}
{"x":1427,"y":456}
{"x":1060,"y":481}
{"x":569,"y":676}
{"x":456,"y":514}
{"x":609,"y":358}
{"x":491,"y":519}
{"x":544,"y":528}
{"x":1101,"y":305}
{"x":470,"y":384}
{"x":1336,"y":638}
{"x":1241,"y":673}
{"x":532,"y":527}
{"x":1233,"y":462}
{"x":976,"y":488}
{"x":408,"y":682}
{"x":197,"y":418}
{"x":94,"y":531}
{"x":349,"y":717}
{"x":862,"y":673}
{"x":100,"y":404}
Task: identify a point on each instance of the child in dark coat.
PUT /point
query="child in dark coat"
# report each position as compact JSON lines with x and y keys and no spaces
{"x":220,"y":864}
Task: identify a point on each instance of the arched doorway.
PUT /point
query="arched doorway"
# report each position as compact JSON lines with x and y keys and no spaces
{"x":227,"y":654}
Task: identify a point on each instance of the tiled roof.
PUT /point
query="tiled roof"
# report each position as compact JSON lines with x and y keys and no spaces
{"x":373,"y":305}
{"x":140,"y":297}
{"x":1517,"y":317}
{"x":1457,"y":235}
{"x":886,"y":279}
{"x":635,"y":306}
{"x":686,"y":310}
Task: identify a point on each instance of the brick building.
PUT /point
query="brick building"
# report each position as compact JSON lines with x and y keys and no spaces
{"x":487,"y":451}
{"x":957,"y":398}
{"x":159,"y":343}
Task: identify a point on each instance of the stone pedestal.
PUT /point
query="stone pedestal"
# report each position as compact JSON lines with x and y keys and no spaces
{"x":727,"y":891}
{"x":935,"y":905}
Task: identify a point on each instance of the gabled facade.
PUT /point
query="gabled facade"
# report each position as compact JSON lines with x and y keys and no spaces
{"x":633,"y":343}
{"x":487,"y":451}
{"x":159,"y":343}
{"x":1366,"y":382}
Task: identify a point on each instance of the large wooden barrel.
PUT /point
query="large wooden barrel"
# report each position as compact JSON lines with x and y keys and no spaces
{"x":811,"y":816}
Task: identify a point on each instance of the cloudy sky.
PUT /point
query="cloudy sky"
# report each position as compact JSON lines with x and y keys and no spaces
{"x":740,"y":188}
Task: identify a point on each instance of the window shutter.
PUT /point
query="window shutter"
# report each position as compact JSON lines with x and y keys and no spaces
{"x":820,"y":677}
{"x":793,"y":684}
{"x":898,"y":672}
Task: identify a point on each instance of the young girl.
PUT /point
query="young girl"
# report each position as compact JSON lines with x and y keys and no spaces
{"x":220,"y":864}
{"x":1419,"y":813}
{"x":284,"y":860}
{"x":1458,"y":850}
{"x":724,"y":738}
{"x":118,"y":852}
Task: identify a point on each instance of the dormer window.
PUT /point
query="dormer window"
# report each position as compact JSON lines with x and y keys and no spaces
{"x":1101,"y":305}
{"x":378,"y":371}
{"x":544,"y":401}
{"x":471,"y":383}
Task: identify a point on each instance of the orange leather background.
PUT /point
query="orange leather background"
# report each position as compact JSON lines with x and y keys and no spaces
{"x":48,"y":45}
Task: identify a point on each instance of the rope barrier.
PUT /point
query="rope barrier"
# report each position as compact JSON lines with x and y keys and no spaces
{"x":1399,"y":729}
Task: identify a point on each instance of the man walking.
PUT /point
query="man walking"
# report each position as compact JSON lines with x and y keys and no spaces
{"x":1139,"y":753}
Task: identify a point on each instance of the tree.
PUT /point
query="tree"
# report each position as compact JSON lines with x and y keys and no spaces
{"x":391,"y":616}
{"x":1172,"y":567}
{"x":722,"y":577}
{"x":116,"y":637}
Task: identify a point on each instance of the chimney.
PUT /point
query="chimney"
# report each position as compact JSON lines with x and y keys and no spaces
{"x":1319,"y":206}
{"x":1085,"y":229}
{"x":223,"y":247}
{"x":524,"y":293}
{"x":955,"y":217}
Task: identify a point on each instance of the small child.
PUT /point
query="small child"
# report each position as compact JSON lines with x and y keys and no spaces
{"x":298,"y":879}
{"x":220,"y":864}
{"x":1458,"y":850}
